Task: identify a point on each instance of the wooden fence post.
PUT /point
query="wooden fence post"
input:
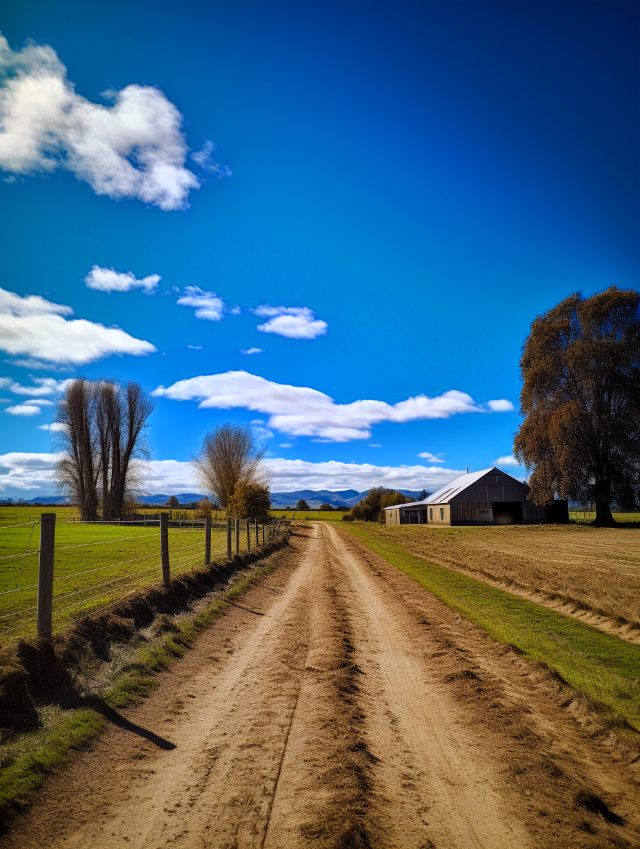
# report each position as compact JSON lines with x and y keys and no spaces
{"x":164,"y":548}
{"x":228,"y":539}
{"x":207,"y":540}
{"x":237,"y":536}
{"x":248,"y":535}
{"x":257,"y":532}
{"x":45,"y":574}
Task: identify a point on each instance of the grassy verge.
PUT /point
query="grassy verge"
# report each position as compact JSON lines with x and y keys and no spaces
{"x":603,"y":667}
{"x":26,"y":761}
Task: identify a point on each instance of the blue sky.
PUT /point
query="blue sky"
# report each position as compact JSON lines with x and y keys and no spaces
{"x":412,"y":182}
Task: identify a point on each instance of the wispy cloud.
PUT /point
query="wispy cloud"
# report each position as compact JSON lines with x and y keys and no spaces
{"x":500,"y":406}
{"x":204,"y":158}
{"x":292,"y":322}
{"x":43,"y":386}
{"x":507,"y":460}
{"x":426,"y":455}
{"x":250,"y":351}
{"x":374,"y":445}
{"x":134,"y":148}
{"x":34,"y":326}
{"x":302,"y":411}
{"x":110,"y":280}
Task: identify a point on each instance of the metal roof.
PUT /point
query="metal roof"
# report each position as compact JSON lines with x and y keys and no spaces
{"x":454,"y":487}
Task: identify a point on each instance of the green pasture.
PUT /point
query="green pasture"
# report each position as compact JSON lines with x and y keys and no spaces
{"x":18,"y":513}
{"x":94,"y":566}
{"x":604,"y":667}
{"x":315,"y":515}
{"x":584,"y":516}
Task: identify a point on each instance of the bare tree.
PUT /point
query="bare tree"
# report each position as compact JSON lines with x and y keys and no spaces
{"x":102,"y":439}
{"x":78,"y":471}
{"x":229,"y":454}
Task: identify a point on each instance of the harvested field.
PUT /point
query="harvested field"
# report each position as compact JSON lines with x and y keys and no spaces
{"x":591,"y":573}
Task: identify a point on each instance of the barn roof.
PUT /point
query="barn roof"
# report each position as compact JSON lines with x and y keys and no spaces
{"x":453,"y":488}
{"x":462,"y":482}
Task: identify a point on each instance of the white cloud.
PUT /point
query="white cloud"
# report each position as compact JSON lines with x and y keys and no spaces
{"x":195,"y":347}
{"x":39,"y":402}
{"x":110,"y":280}
{"x":26,"y":409}
{"x":426,"y":455}
{"x":34,"y":326}
{"x":20,"y":471}
{"x":292,"y":322}
{"x":205,"y":160}
{"x":133,"y":148}
{"x":44,"y":386}
{"x":56,"y":427}
{"x":250,"y":351}
{"x":500,"y":406}
{"x":374,"y":445}
{"x":288,"y":475}
{"x":507,"y":460}
{"x":286,"y":445}
{"x":35,"y":472}
{"x":261,"y":433}
{"x":302,"y":411}
{"x":207,"y":304}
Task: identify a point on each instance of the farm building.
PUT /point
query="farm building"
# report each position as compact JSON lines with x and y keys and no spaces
{"x":489,"y":497}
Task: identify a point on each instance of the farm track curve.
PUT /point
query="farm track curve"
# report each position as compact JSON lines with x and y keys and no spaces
{"x":337,"y":704}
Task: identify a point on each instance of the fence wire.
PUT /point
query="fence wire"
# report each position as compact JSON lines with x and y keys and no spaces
{"x":75,"y":562}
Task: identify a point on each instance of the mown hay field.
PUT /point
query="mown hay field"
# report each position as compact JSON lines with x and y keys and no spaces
{"x":589,"y":570}
{"x":94,"y":566}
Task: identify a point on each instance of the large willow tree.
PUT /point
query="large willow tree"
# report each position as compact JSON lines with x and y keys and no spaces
{"x":581,"y":401}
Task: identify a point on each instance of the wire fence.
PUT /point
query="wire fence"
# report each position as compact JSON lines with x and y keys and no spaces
{"x":52,"y":573}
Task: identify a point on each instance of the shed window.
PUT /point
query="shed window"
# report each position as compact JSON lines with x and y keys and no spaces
{"x":442,"y":514}
{"x":431,"y":513}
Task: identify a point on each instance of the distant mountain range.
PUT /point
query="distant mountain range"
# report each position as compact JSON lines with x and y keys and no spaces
{"x":279,"y":500}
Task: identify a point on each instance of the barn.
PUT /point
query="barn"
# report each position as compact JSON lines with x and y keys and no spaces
{"x":489,"y":497}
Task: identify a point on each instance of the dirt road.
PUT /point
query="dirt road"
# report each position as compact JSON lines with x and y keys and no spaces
{"x":340,"y":705}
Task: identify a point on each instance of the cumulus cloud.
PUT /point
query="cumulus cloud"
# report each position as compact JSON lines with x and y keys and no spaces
{"x":302,"y":411}
{"x":207,"y":304}
{"x":133,"y":148}
{"x":110,"y":280}
{"x":250,"y":351}
{"x":56,"y":427}
{"x":500,"y":406}
{"x":292,"y":322}
{"x":426,"y":455}
{"x":33,"y":326}
{"x":507,"y":460}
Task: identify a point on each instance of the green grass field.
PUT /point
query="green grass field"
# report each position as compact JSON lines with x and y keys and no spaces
{"x":94,"y":566}
{"x":315,"y":515}
{"x":603,"y":667}
{"x":584,"y":516}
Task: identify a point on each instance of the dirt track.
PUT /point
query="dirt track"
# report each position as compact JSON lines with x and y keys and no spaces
{"x":339,"y":705}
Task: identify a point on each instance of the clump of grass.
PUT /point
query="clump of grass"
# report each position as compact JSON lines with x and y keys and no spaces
{"x":602,"y":666}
